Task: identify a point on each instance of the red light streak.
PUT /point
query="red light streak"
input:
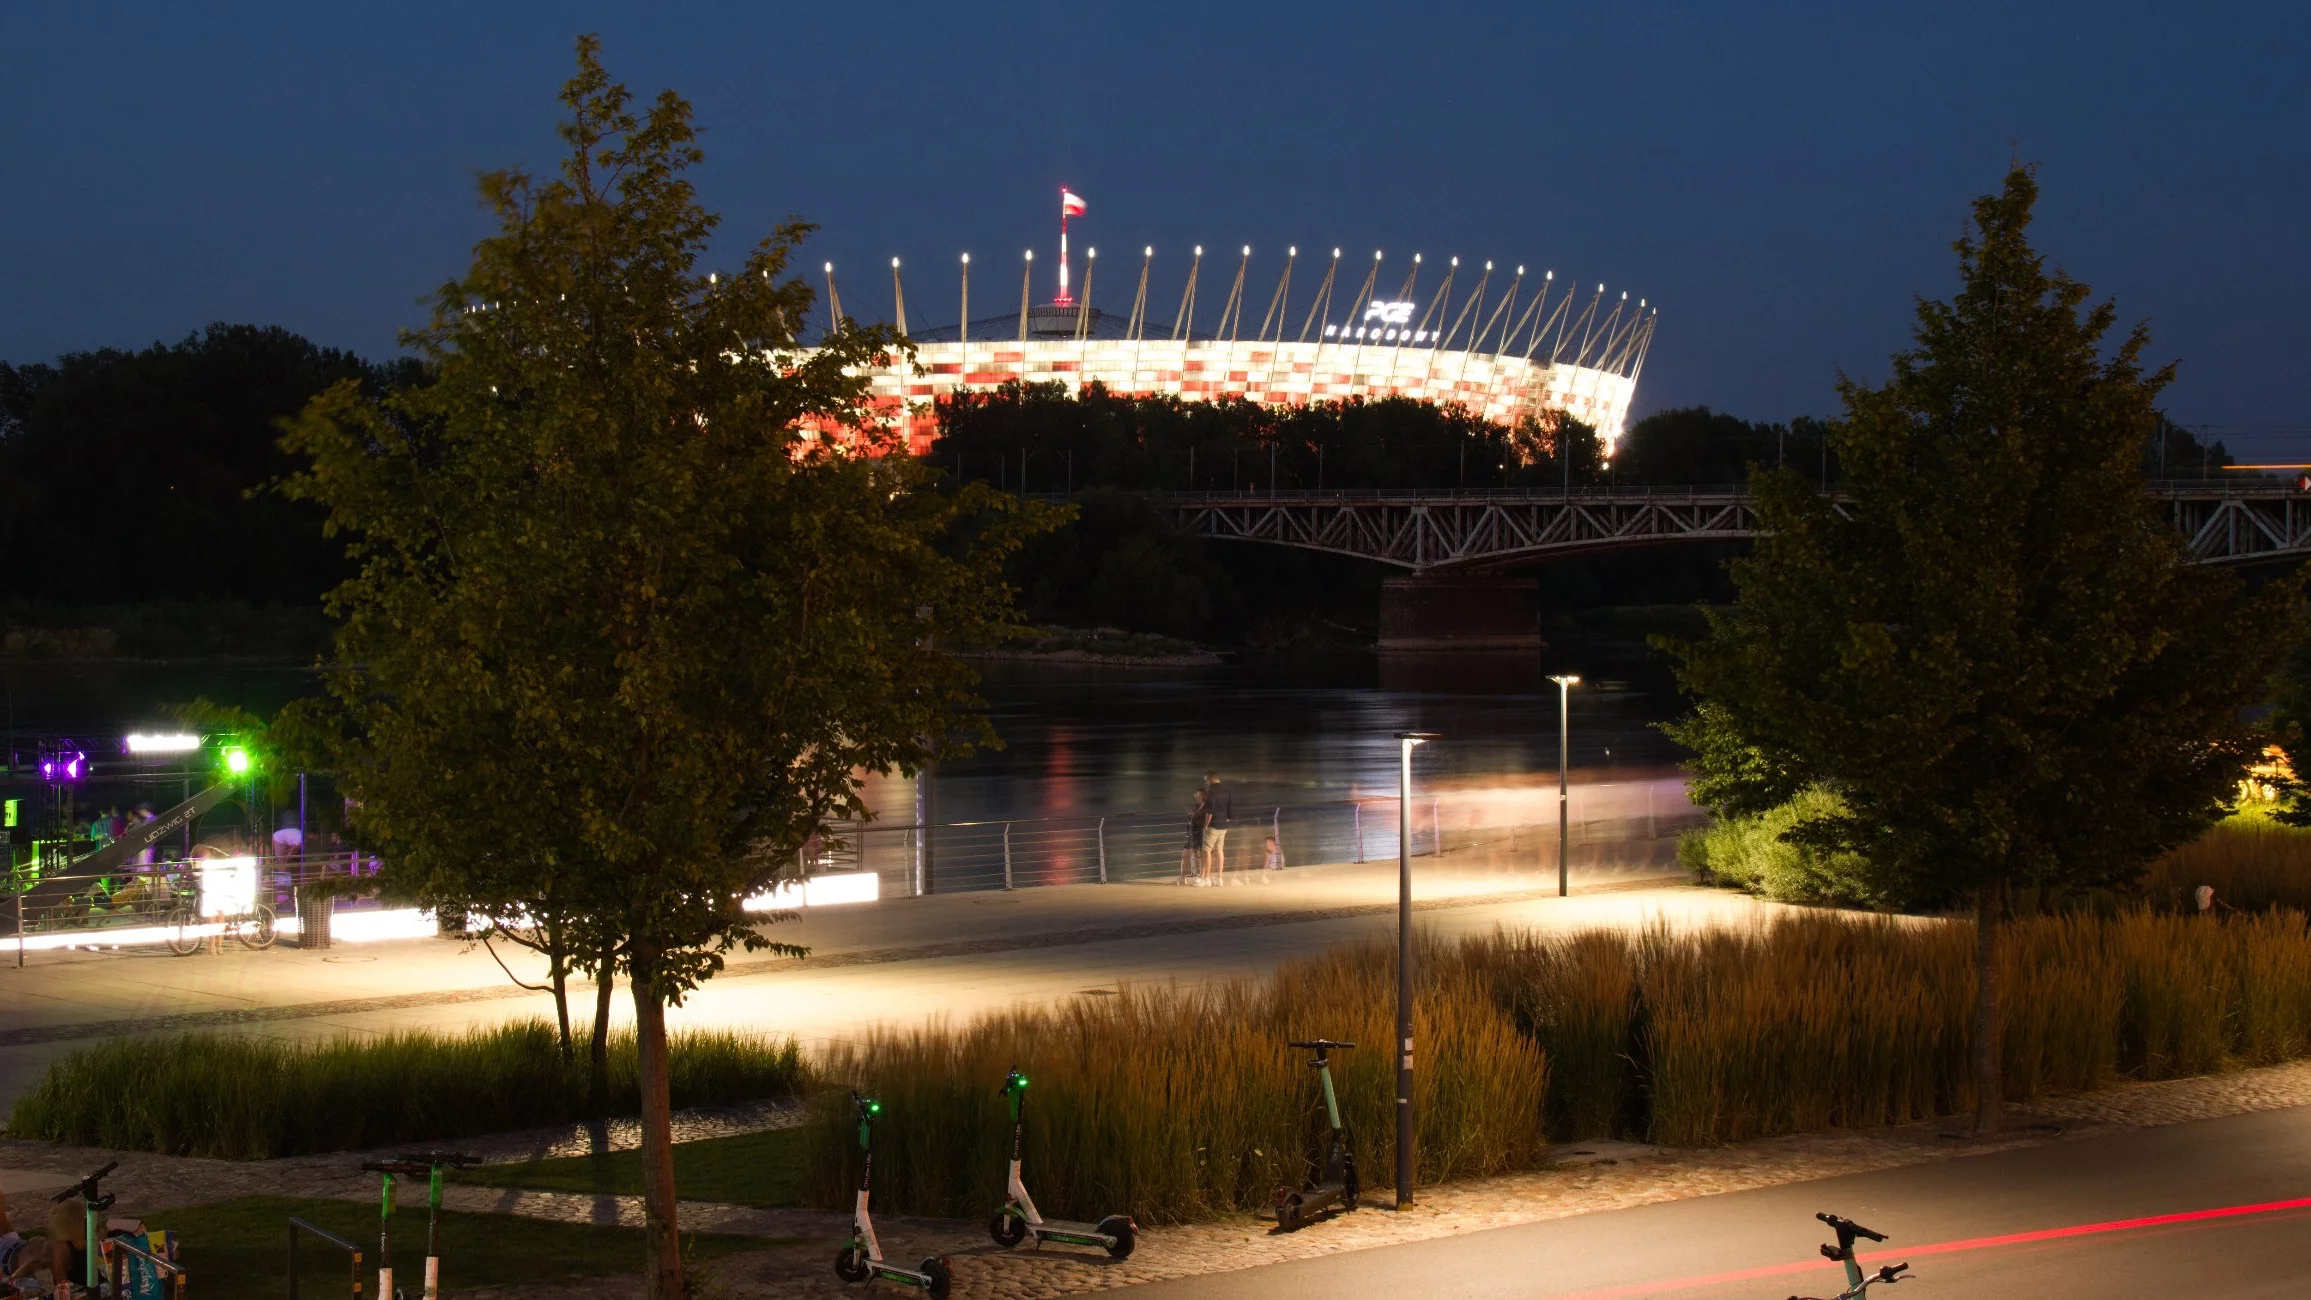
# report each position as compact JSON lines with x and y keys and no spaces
{"x":1893,"y":1255}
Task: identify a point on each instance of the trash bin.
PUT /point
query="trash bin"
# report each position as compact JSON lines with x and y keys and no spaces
{"x":314,"y":908}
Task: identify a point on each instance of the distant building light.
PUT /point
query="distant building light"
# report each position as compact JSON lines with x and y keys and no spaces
{"x":173,"y":742}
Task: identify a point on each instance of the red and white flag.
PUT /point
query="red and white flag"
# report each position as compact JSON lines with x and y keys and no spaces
{"x":1070,"y":203}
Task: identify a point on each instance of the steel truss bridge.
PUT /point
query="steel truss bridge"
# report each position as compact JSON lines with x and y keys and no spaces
{"x":1443,"y":532}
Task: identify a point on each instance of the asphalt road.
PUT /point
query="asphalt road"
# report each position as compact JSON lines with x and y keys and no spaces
{"x":2228,"y":1205}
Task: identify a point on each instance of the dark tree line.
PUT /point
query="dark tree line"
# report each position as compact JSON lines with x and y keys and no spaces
{"x":130,"y":476}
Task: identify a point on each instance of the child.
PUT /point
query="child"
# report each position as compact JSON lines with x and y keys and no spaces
{"x":1275,"y":854}
{"x":1190,"y":866}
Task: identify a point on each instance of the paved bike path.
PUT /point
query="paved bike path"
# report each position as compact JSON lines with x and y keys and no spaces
{"x":2215,"y":1210}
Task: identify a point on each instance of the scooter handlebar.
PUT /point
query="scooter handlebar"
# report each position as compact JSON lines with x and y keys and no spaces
{"x":445,"y":1159}
{"x":1319,"y":1044}
{"x":86,"y":1187}
{"x":1848,"y":1225}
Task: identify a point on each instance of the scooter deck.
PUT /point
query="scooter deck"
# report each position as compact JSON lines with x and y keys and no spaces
{"x":1073,"y":1234}
{"x":893,"y":1273}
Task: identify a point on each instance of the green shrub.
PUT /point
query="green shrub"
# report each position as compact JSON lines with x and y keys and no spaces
{"x":239,"y":1098}
{"x":1754,"y":853}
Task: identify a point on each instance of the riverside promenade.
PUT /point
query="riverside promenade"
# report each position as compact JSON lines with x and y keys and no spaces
{"x":893,"y":963}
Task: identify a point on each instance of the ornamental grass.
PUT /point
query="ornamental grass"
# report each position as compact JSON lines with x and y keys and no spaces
{"x":244,"y":1098}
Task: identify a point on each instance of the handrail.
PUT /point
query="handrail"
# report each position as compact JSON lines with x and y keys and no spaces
{"x":295,"y":1226}
{"x":175,"y":1271}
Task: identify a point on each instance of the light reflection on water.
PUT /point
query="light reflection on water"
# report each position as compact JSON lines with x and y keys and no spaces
{"x":1078,"y":742}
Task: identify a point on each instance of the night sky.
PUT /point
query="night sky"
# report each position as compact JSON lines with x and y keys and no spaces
{"x":1778,"y":182}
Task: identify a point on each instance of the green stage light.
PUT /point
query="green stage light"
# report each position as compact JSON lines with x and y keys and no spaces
{"x":237,"y":761}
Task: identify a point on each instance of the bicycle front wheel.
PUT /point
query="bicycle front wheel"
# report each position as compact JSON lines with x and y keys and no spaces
{"x":184,"y":938}
{"x":257,"y":929}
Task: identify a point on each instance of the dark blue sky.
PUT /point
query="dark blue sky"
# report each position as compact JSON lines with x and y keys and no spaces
{"x":1779,"y":182}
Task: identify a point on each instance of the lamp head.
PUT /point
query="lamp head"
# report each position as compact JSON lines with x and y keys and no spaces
{"x":1418,"y":737}
{"x":1565,"y":679}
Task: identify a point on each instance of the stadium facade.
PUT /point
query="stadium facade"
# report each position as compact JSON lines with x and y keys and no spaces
{"x":1509,"y":353}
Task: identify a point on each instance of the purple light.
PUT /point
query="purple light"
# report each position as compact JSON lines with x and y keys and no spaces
{"x":63,"y":765}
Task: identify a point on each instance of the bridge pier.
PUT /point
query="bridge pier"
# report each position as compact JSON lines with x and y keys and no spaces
{"x":1459,"y":612}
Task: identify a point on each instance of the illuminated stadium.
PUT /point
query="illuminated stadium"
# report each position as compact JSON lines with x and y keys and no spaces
{"x":1525,"y":349}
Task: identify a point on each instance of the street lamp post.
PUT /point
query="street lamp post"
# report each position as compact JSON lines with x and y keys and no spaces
{"x":1565,"y":683}
{"x":1405,"y":741}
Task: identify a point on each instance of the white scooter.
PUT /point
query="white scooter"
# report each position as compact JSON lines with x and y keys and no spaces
{"x":861,"y":1257}
{"x":1019,"y":1219}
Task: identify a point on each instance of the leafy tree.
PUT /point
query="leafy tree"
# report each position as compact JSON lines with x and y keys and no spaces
{"x":619,"y":605}
{"x":129,"y":474}
{"x":1993,"y":649}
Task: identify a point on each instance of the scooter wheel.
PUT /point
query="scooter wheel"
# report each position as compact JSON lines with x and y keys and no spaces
{"x":935,"y":1269}
{"x":851,"y":1264}
{"x":1007,"y":1229}
{"x":1120,"y":1227}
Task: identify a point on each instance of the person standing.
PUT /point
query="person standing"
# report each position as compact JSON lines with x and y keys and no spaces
{"x":1191,"y":872}
{"x":1221,"y":809}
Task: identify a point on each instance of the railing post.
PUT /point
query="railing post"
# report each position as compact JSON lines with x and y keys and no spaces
{"x":1103,"y":850}
{"x":1007,"y":855}
{"x":19,"y":920}
{"x":1358,"y":810}
{"x":1435,"y":826}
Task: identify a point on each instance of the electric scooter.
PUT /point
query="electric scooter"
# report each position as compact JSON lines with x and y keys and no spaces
{"x":95,"y":1202}
{"x":861,"y":1257}
{"x":1857,"y":1283}
{"x":1337,"y":1184}
{"x":430,"y":1164}
{"x":1019,"y":1219}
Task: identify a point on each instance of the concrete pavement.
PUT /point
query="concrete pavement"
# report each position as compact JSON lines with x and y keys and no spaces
{"x":2216,"y":1209}
{"x":897,"y":962}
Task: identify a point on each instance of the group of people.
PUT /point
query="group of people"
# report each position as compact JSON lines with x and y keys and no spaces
{"x":1204,"y":857}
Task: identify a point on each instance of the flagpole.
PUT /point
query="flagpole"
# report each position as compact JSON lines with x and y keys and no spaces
{"x":1063,"y":300}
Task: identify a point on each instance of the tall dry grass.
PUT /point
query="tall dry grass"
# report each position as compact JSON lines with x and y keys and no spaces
{"x":2254,"y":865}
{"x":1176,"y":1104}
{"x":236,"y":1098}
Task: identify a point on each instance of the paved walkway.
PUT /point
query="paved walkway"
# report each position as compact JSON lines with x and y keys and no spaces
{"x":897,"y":962}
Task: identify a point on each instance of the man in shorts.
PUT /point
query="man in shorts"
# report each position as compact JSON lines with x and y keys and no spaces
{"x":1221,"y":809}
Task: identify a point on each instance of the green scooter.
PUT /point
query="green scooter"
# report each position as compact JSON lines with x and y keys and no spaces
{"x":1019,"y":1219}
{"x":429,"y":1164}
{"x":94,"y":1202}
{"x":1857,"y":1282}
{"x":1336,"y":1184}
{"x":861,"y":1257}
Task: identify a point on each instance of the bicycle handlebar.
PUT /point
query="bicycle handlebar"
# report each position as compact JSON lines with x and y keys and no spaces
{"x":1844,"y":1226}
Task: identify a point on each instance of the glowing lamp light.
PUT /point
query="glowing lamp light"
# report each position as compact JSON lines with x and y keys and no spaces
{"x":237,"y":761}
{"x":174,"y":742}
{"x":228,"y":887}
{"x":63,"y":765}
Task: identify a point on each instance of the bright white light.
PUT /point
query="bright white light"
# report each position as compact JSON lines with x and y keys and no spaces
{"x":1247,"y":250}
{"x":1199,"y":250}
{"x":1293,"y":251}
{"x":819,"y":891}
{"x":1520,"y":270}
{"x":378,"y":926}
{"x":1149,"y":251}
{"x":1336,"y":254}
{"x":1030,"y":254}
{"x":712,"y":278}
{"x":1332,"y":329}
{"x":1549,"y":275}
{"x":173,"y":742}
{"x":228,"y":886}
{"x":1375,"y":254}
{"x":894,"y":264}
{"x":1090,"y":253}
{"x":830,"y":268}
{"x":1488,"y":266}
{"x":1456,"y":261}
{"x":1416,"y":259}
{"x":966,"y":259}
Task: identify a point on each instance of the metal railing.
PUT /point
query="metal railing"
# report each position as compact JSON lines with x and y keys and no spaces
{"x":1018,"y":853}
{"x":135,"y":904}
{"x":296,"y":1226}
{"x":165,"y":1271}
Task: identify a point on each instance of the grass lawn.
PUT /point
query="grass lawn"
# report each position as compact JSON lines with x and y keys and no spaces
{"x":237,"y":1247}
{"x":760,"y":1169}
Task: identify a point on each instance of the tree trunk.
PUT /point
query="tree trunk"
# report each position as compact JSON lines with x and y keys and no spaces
{"x":561,"y":966}
{"x":598,"y":1052}
{"x":662,"y":1241}
{"x":1989,"y":1054}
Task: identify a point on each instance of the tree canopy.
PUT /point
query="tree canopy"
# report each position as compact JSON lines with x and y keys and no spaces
{"x":1991,"y":646}
{"x":624,"y":625}
{"x":129,"y":475}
